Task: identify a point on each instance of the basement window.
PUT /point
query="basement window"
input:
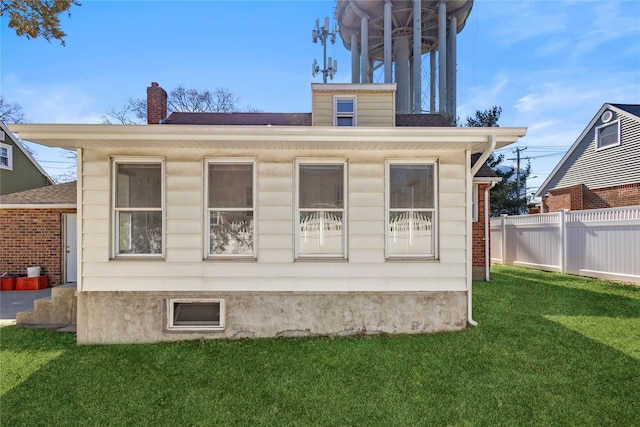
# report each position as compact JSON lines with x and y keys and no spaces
{"x":195,"y":314}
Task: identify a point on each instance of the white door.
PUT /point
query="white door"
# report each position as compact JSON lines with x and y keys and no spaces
{"x":70,"y":252}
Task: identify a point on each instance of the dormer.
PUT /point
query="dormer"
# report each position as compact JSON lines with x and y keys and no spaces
{"x":353,"y":104}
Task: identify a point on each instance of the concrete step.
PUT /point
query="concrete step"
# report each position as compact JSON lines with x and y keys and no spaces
{"x":60,"y":309}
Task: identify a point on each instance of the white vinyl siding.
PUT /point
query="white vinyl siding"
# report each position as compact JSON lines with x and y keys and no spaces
{"x":138,"y":207}
{"x":230,"y":208}
{"x":411,"y":212}
{"x":374,"y":107}
{"x":275,"y":270}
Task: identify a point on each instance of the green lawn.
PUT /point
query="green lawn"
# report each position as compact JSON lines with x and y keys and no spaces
{"x":549,"y":350}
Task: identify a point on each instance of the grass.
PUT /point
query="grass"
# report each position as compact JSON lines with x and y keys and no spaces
{"x":549,"y":350}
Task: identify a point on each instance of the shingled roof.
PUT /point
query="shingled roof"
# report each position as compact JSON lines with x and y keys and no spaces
{"x":287,"y":119}
{"x":485,"y":171}
{"x":61,"y":194}
{"x":422,"y":120}
{"x":239,"y":119}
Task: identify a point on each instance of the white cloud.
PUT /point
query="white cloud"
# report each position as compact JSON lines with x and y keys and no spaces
{"x":56,"y":102}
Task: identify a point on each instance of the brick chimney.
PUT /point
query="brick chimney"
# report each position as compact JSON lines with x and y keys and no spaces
{"x":156,"y":104}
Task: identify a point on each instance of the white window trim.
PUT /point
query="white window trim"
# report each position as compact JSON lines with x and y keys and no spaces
{"x":115,"y":161}
{"x":474,"y":202}
{"x":353,"y":98}
{"x":207,"y":233}
{"x":9,"y":149}
{"x":345,"y":222}
{"x":597,"y":135}
{"x":435,"y":209}
{"x":170,"y":315}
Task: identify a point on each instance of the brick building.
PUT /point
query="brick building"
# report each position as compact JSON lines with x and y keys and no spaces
{"x":36,"y":226}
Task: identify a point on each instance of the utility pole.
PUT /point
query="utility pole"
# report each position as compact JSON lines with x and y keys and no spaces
{"x":517,"y":159}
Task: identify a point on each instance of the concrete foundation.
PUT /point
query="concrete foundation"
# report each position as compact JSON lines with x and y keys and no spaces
{"x":137,"y":317}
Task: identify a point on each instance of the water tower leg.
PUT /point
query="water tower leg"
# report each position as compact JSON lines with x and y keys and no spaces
{"x":355,"y":59}
{"x":387,"y":42}
{"x":452,"y":66}
{"x":417,"y":56}
{"x":402,"y":74}
{"x":442,"y":56}
{"x":364,"y":48}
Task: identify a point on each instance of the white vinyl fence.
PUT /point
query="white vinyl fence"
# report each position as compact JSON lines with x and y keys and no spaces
{"x":603,"y":243}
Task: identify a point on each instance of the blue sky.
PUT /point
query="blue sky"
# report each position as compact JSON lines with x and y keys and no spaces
{"x":550,"y":65}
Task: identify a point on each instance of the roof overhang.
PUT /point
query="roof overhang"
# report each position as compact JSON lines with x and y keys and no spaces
{"x":270,"y":137}
{"x":38,"y":206}
{"x":486,"y":179}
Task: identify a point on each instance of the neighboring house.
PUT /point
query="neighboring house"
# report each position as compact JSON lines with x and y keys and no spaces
{"x":602,"y":167}
{"x":37,"y":228}
{"x":19,"y":171}
{"x":348,"y":223}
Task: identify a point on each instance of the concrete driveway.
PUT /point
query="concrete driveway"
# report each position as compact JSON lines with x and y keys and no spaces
{"x":12,"y":302}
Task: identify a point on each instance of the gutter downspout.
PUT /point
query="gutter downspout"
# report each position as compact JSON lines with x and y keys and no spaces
{"x":476,"y":167}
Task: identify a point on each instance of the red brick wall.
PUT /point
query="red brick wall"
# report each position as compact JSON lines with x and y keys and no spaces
{"x":564,"y":198}
{"x":612,"y":197}
{"x":579,"y":197}
{"x":477,"y":238}
{"x":32,"y":237}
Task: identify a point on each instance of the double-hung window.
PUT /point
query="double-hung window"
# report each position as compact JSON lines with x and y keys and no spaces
{"x":411,"y":209}
{"x":138,"y":207}
{"x":230,"y":208}
{"x":6,"y":156}
{"x":321,"y":209}
{"x":345,"y":110}
{"x":608,"y":135}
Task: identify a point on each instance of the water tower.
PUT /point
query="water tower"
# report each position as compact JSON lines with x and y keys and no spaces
{"x":382,"y":33}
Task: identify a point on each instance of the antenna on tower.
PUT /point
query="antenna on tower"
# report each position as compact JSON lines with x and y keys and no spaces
{"x":322,"y":33}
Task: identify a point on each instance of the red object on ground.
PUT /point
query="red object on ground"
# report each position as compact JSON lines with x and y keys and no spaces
{"x":32,"y":283}
{"x":8,"y":284}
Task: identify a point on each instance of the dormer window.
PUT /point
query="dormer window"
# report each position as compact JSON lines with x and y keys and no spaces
{"x":345,"y":111}
{"x":608,"y":135}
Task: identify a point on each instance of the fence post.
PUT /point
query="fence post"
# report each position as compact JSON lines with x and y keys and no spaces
{"x":503,"y":238}
{"x":563,"y":240}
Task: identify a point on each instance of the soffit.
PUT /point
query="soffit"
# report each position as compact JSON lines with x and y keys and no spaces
{"x":265,"y":137}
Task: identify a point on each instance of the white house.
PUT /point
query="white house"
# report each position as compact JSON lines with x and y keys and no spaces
{"x":347,"y":225}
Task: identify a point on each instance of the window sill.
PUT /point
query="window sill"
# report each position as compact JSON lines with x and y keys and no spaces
{"x":138,"y":258}
{"x":430,"y":260}
{"x":322,"y":259}
{"x":230,"y":259}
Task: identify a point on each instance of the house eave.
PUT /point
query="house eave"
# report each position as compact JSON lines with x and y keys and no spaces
{"x":261,"y":137}
{"x":39,"y":206}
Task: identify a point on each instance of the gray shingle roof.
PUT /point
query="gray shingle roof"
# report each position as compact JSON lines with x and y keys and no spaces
{"x":287,"y":119}
{"x":240,"y":119}
{"x":484,"y":171}
{"x":49,"y":195}
{"x":422,"y":120}
{"x":629,"y":108}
